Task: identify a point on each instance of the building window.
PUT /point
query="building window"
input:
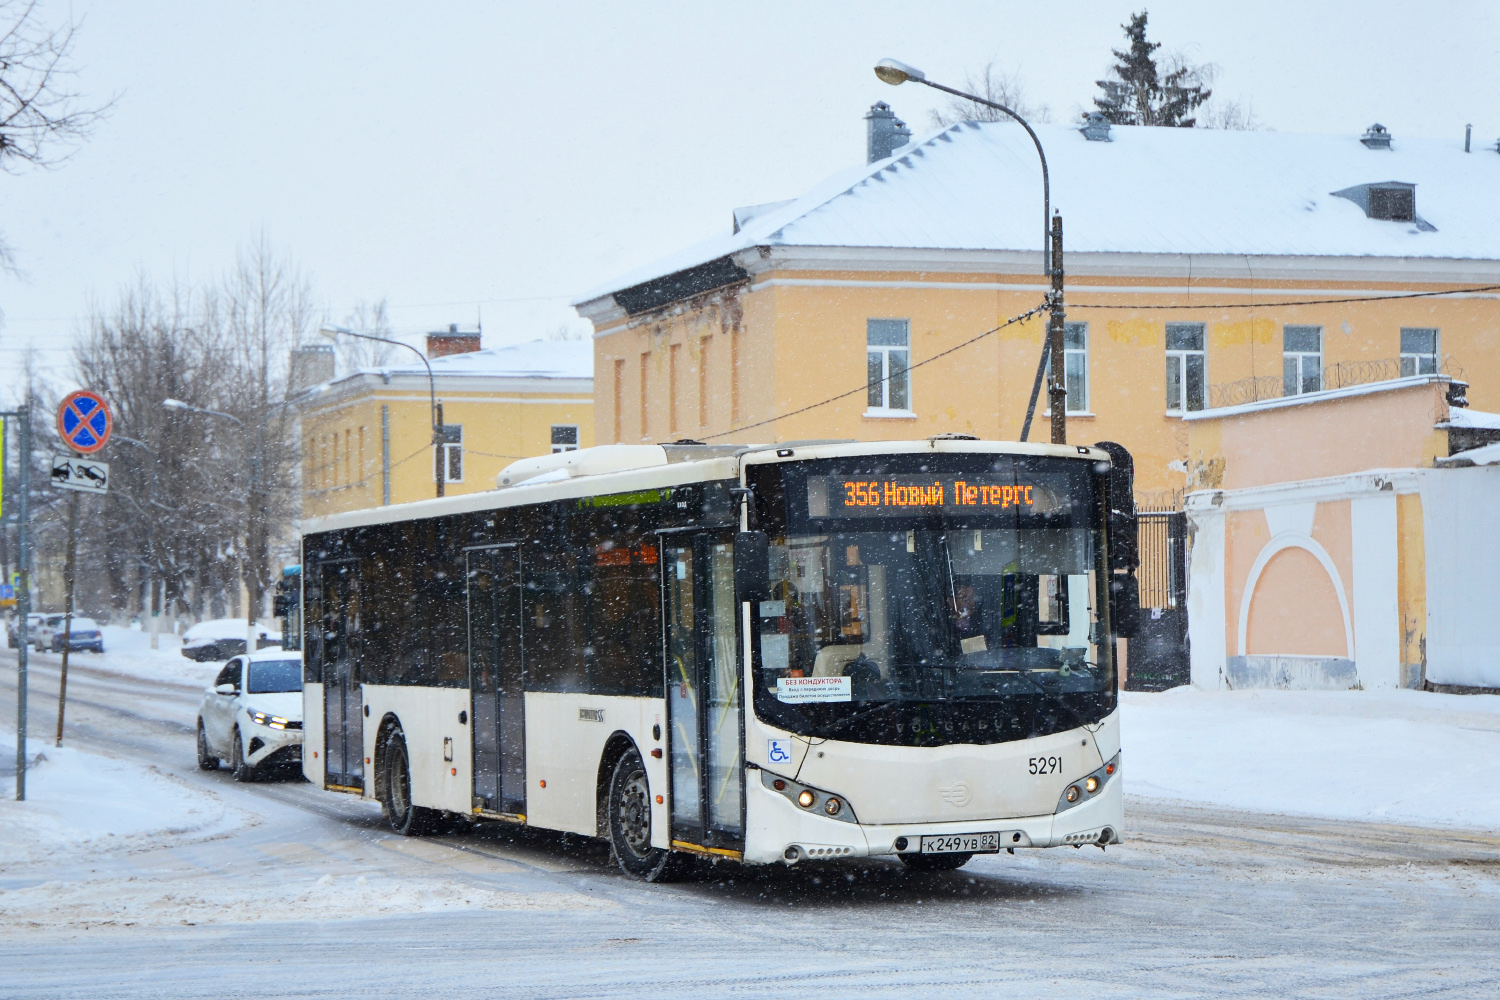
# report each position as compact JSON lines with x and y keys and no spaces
{"x":674,"y":352}
{"x":619,"y":399}
{"x":1075,"y":366}
{"x":645,"y":400}
{"x":451,"y":456}
{"x":703,"y":381}
{"x":1419,"y":350}
{"x":1301,"y":359}
{"x":888,"y":356}
{"x":1397,"y":203}
{"x":1186,"y":384}
{"x":564,"y":437}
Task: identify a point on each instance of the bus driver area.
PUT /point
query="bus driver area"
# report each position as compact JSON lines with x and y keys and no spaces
{"x":769,"y":655}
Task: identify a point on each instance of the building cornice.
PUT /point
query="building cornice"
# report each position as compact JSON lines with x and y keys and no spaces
{"x":491,"y":388}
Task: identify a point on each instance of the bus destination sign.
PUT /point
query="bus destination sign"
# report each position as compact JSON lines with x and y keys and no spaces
{"x":839,"y":496}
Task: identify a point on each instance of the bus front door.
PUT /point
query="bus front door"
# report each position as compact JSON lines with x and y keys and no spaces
{"x":704,"y":694}
{"x":343,"y":720}
{"x":499,"y":729}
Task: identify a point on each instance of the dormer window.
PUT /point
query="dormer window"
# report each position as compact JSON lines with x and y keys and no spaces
{"x":1392,"y":202}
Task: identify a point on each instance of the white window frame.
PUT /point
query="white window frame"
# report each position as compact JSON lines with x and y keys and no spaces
{"x":453,"y":450}
{"x":1081,"y":355}
{"x":561,"y":446}
{"x":1178,"y":357}
{"x":1416,"y":357}
{"x":1301,"y":360}
{"x":878,"y":395}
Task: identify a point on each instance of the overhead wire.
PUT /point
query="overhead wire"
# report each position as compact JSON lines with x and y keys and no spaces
{"x":866,"y":387}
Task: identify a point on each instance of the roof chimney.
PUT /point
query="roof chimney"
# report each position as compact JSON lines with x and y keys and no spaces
{"x":1096,"y":129}
{"x":1468,"y":134}
{"x":310,"y":365}
{"x":1377,"y":136}
{"x":886,"y":133}
{"x":443,"y":343}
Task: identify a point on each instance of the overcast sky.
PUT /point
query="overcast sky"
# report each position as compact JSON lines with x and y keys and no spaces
{"x":468,"y":158}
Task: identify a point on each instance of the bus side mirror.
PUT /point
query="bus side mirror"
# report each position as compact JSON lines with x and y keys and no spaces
{"x":1124,"y":543}
{"x":752,"y":576}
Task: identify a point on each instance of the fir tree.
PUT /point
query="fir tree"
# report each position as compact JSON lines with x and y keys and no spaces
{"x":1138,"y":93}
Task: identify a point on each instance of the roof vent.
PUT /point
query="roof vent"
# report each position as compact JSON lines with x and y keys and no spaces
{"x":1096,"y":128}
{"x":886,"y":133}
{"x":1377,"y":136}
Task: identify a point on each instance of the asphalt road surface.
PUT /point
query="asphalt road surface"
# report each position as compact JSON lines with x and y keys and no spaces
{"x":305,"y":894}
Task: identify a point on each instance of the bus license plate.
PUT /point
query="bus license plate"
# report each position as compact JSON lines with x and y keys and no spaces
{"x":962,"y":843}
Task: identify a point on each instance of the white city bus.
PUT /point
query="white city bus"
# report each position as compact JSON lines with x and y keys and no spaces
{"x":788,"y":653}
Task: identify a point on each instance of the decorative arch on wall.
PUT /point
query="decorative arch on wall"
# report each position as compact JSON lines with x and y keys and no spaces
{"x":1295,"y":540}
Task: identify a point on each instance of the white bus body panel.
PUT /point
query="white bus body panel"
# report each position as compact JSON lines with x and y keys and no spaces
{"x":564,"y":745}
{"x":428,"y":716}
{"x":912,"y":791}
{"x":312,"y":734}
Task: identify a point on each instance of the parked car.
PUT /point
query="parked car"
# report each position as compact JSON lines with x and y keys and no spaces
{"x":221,"y":638}
{"x":85,"y":634}
{"x":33,"y":622}
{"x":252,"y":716}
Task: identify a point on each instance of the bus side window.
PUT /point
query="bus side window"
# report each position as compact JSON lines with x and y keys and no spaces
{"x":553,"y":611}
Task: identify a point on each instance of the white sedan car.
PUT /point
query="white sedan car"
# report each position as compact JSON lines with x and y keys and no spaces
{"x":252,"y":715}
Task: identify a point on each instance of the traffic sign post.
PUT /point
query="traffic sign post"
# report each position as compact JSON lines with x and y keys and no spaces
{"x":84,"y":422}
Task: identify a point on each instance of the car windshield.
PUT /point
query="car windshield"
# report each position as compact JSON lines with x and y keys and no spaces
{"x":274,"y":676}
{"x":947,"y":625}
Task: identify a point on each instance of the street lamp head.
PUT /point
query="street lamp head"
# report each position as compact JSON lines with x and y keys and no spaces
{"x":896,"y":73}
{"x":330,"y":331}
{"x":175,"y":404}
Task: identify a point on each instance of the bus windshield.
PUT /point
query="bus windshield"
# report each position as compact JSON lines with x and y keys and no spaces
{"x":900,"y":615}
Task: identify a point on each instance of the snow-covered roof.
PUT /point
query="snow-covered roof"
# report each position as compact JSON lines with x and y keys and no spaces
{"x":534,"y":359}
{"x":977,"y":186}
{"x":1472,"y":419}
{"x":1486,"y":455}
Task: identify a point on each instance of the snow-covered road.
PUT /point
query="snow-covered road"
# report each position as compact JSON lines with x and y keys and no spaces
{"x":296,"y":892}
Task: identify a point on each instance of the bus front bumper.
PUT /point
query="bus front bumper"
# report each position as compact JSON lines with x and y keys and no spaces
{"x":780,"y":831}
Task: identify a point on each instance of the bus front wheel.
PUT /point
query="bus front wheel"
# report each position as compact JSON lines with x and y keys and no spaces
{"x":629,"y":812}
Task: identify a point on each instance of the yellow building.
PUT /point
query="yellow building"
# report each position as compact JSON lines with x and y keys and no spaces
{"x":1203,"y":268}
{"x":367,"y":436}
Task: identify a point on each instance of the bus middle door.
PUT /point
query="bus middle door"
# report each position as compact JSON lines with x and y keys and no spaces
{"x":343,"y":721}
{"x":704,"y":695}
{"x":496,"y":698}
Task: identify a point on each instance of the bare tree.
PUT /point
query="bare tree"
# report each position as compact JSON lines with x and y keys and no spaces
{"x":355,"y":354}
{"x":567,"y":331}
{"x":992,"y":84}
{"x":40,"y":115}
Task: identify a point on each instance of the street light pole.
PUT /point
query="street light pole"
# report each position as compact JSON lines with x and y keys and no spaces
{"x":333,"y":332}
{"x":896,"y":73}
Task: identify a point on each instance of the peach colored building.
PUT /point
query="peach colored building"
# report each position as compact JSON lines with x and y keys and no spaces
{"x":1345,"y":538}
{"x":1203,"y":268}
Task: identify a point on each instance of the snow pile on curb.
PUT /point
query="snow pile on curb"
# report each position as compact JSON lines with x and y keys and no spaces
{"x":213,"y":899}
{"x":128,"y":651}
{"x":1380,"y":756}
{"x":78,"y":801}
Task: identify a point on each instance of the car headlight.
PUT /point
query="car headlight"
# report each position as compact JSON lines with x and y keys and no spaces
{"x":262,"y":719}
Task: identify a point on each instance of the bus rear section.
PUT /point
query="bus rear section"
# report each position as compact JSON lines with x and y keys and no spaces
{"x":782,"y":655}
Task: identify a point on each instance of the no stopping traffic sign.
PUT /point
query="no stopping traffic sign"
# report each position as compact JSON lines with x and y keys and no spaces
{"x":84,"y":421}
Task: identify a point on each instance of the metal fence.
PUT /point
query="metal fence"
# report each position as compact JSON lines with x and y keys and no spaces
{"x":1335,"y":376}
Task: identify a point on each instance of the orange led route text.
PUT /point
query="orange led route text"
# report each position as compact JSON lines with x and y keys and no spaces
{"x":965,"y":495}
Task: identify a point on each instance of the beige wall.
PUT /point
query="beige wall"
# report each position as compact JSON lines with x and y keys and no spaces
{"x":341,"y":442}
{"x":793,"y":338}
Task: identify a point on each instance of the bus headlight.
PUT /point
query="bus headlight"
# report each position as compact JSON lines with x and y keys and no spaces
{"x":832,"y":806}
{"x":1091,"y":785}
{"x":806,"y":799}
{"x":1072,"y":793}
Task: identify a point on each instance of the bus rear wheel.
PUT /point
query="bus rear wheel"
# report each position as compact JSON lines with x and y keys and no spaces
{"x":404,"y":817}
{"x":629,"y":812}
{"x":934,"y":862}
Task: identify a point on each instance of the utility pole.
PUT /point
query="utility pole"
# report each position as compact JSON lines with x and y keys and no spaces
{"x":1057,"y":389}
{"x":440,"y":452}
{"x":70,"y":575}
{"x":23,"y":589}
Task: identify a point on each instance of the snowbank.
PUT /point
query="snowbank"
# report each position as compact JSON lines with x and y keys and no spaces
{"x":1397,"y":756}
{"x":129,"y":652}
{"x":81,"y":802}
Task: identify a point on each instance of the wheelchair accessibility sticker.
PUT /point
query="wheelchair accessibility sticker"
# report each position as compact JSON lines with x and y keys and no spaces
{"x":779,"y":751}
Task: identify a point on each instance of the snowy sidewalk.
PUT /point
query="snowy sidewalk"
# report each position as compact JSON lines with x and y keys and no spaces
{"x":1380,"y":756}
{"x":82,"y":802}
